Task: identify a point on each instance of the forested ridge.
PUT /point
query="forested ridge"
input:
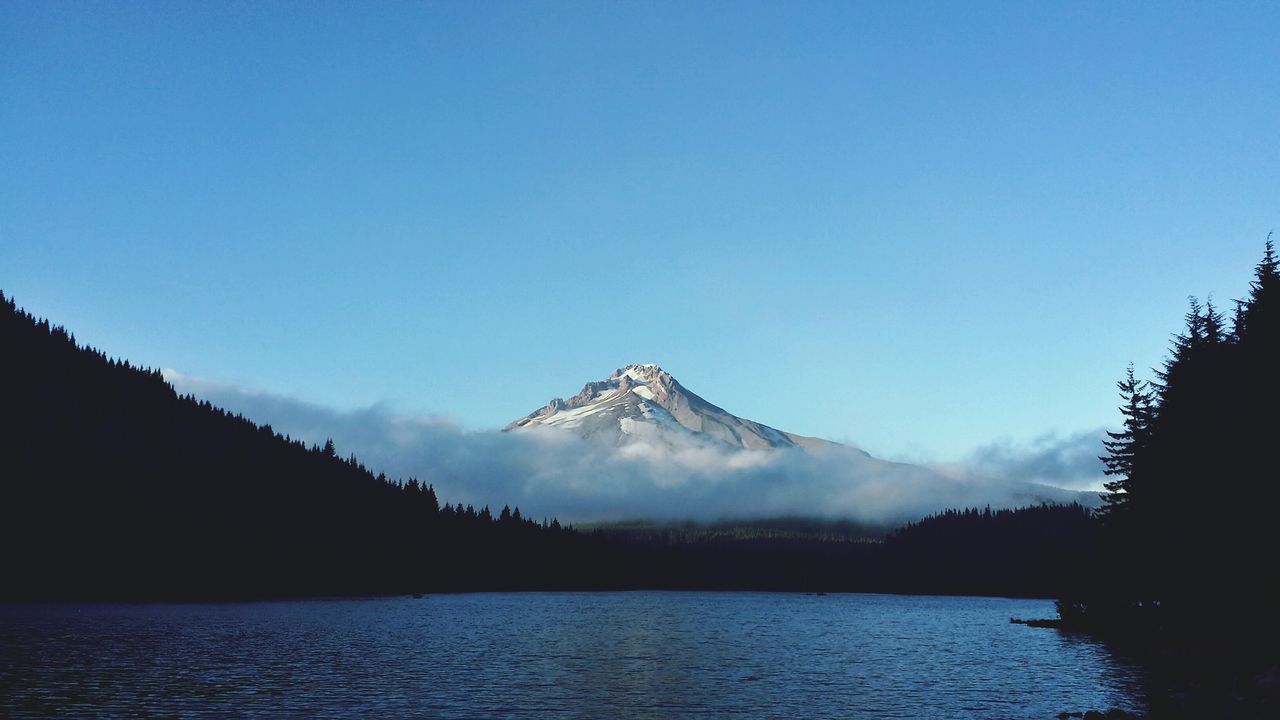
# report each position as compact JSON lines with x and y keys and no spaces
{"x":114,"y":486}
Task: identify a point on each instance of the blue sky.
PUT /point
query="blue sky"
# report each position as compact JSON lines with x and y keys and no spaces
{"x":919,"y":227}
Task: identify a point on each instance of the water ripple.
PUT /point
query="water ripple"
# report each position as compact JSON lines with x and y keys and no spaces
{"x":569,"y":655}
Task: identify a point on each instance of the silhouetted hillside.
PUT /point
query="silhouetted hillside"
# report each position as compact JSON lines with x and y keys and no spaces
{"x":113,"y":485}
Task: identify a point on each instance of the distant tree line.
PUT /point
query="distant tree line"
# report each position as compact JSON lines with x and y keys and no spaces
{"x":1040,"y":551}
{"x":1036,"y":551}
{"x":112,"y":485}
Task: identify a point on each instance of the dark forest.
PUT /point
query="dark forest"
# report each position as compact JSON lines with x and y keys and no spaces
{"x":1185,"y":569}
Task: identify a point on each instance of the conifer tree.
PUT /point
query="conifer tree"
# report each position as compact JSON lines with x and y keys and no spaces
{"x":1238,"y":322}
{"x":1186,"y":348}
{"x":1259,"y":313}
{"x":1125,"y":447}
{"x":1212,"y":325}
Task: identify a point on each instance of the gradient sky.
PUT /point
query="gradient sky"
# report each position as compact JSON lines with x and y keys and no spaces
{"x":918,"y":227}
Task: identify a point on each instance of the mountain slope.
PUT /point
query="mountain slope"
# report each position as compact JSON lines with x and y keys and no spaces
{"x":645,"y":401}
{"x":114,"y":486}
{"x":646,"y":413}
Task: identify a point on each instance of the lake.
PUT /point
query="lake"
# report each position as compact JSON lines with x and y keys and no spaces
{"x":574,"y":655}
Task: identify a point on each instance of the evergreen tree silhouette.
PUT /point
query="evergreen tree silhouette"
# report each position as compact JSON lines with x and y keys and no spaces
{"x":1125,"y":447}
{"x":1188,"y":523}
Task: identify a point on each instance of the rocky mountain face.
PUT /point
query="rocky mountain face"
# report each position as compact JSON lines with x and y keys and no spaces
{"x":644,"y":401}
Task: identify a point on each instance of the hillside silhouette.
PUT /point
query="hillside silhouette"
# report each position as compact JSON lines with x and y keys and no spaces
{"x":116,"y":486}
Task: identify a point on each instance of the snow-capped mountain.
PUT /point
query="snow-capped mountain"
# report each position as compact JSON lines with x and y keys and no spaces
{"x":645,"y":402}
{"x":646,"y":414}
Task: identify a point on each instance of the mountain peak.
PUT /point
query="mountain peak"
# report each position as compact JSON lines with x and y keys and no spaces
{"x":645,"y":401}
{"x":639,"y":371}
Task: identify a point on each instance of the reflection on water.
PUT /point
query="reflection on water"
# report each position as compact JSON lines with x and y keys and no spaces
{"x":641,"y":654}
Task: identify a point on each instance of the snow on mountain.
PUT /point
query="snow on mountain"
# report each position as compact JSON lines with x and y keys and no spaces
{"x":641,"y":409}
{"x":645,"y":402}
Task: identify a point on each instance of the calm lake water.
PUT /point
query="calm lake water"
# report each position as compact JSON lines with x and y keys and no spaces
{"x":578,"y":655}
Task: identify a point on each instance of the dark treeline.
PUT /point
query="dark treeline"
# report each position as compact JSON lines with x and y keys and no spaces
{"x":114,"y":486}
{"x":783,"y":527}
{"x":1036,"y":551}
{"x":1189,"y":538}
